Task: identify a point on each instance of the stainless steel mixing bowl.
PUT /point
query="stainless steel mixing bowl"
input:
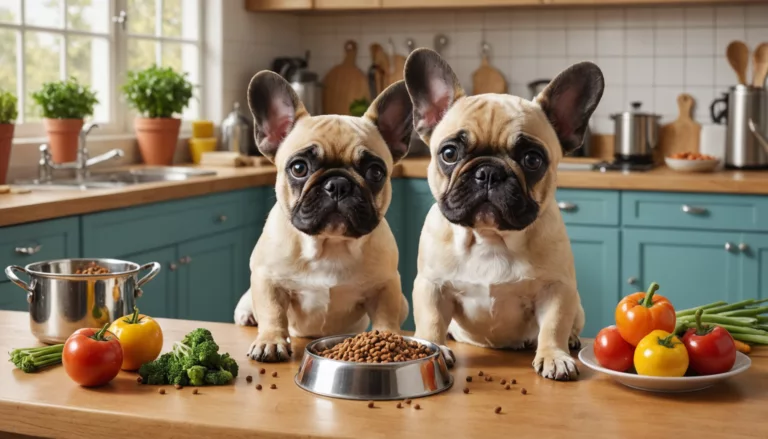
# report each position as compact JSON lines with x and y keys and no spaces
{"x":364,"y":381}
{"x":61,"y":302}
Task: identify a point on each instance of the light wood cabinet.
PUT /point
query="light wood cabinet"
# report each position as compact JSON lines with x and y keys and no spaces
{"x":415,"y":4}
{"x":278,"y":5}
{"x":347,"y":4}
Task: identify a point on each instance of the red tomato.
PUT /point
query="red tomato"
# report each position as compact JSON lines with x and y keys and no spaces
{"x":711,"y":349}
{"x":92,"y":357}
{"x":612,"y":351}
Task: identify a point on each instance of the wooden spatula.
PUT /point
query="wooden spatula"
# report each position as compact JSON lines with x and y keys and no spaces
{"x":682,"y":135}
{"x":381,"y":64}
{"x":397,"y":65}
{"x":760,"y":65}
{"x":344,"y":83}
{"x":738,"y":56}
{"x":487,"y":79}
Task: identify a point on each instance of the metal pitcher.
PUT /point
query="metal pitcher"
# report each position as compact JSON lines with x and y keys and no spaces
{"x":237,"y":133}
{"x":746,"y":133}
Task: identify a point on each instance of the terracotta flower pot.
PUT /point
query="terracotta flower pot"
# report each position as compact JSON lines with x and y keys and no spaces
{"x":6,"y":136}
{"x":62,"y":138}
{"x":157,"y":139}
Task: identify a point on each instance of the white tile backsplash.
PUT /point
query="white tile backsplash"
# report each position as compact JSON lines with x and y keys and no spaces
{"x":649,"y":54}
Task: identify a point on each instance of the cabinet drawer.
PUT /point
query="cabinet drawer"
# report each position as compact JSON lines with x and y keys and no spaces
{"x":137,"y":229}
{"x":42,"y":241}
{"x":589,"y":207}
{"x":695,"y":211}
{"x":12,"y":298}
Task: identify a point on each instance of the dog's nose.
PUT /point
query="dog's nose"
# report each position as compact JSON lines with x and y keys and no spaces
{"x":489,"y":176}
{"x":337,"y":188}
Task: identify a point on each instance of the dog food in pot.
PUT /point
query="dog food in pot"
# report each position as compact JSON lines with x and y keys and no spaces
{"x":376,"y":347}
{"x":92,"y":268}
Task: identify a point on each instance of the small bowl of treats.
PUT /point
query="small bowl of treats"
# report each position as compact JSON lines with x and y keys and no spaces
{"x":692,"y":162}
{"x":375,"y":365}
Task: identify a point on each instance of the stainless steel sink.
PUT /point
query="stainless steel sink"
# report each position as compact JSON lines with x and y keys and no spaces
{"x":116,"y":179}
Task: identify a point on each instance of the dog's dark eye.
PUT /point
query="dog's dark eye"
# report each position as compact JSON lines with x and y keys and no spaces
{"x":532,"y":161}
{"x":449,"y":154}
{"x":299,"y":169}
{"x":374,"y":173}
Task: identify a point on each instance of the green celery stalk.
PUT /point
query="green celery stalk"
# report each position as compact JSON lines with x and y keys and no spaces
{"x":737,"y":329}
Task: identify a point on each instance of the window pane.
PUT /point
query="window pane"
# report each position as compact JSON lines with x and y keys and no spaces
{"x":141,"y":17}
{"x":180,"y":19}
{"x":88,"y":15}
{"x":88,"y":61}
{"x":41,"y":51}
{"x":46,"y":13}
{"x":141,"y":53}
{"x":8,"y":60}
{"x":10,"y":11}
{"x":184,"y":58}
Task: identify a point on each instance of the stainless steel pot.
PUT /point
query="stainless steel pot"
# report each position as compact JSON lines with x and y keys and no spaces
{"x":61,"y":302}
{"x":635,"y":135}
{"x":746,"y":146}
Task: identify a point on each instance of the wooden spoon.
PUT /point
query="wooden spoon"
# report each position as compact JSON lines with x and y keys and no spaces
{"x":760,"y":65}
{"x":738,"y":56}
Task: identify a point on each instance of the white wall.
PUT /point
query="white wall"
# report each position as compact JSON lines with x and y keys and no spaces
{"x":647,"y":54}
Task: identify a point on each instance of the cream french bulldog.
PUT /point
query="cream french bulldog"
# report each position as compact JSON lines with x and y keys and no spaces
{"x":326,"y":262}
{"x":495,"y":267}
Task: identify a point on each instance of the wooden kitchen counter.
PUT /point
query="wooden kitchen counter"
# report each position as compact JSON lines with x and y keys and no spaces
{"x":49,"y":204}
{"x":48,"y":404}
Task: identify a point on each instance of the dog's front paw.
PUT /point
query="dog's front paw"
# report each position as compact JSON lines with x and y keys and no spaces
{"x":270,"y":349}
{"x":574,"y":342}
{"x":450,"y":359}
{"x":244,"y":317}
{"x":555,"y":364}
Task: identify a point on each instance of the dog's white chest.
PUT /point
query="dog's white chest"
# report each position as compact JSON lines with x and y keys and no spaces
{"x":487,"y":261}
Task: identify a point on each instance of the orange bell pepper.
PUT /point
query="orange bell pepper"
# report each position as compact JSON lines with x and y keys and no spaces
{"x":640,"y":313}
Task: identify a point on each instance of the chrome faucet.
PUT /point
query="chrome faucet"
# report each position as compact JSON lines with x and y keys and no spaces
{"x":82,"y":165}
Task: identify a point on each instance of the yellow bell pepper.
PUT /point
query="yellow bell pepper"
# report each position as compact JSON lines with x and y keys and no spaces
{"x":661,"y":354}
{"x":141,"y":339}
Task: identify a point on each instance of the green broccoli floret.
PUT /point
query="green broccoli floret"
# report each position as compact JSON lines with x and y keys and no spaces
{"x":229,"y":364}
{"x":196,"y":375}
{"x":197,"y":336}
{"x":207,"y":354}
{"x":155,"y":372}
{"x":218,"y":377}
{"x":177,"y":372}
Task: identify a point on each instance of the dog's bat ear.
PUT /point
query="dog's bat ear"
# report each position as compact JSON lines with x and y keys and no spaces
{"x":433,"y":88}
{"x":275,"y":107}
{"x":392,"y":113}
{"x":569,"y":101}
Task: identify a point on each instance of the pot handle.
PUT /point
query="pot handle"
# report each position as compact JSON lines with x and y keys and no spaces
{"x":758,"y":135}
{"x":153,"y":268}
{"x":9,"y":271}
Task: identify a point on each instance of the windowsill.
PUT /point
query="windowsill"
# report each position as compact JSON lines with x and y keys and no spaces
{"x":97,"y":138}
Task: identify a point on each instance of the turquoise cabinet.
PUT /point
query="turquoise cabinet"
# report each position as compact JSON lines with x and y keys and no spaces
{"x":12,"y":298}
{"x":212,"y":276}
{"x":158,"y":298}
{"x":596,"y":259}
{"x":753,"y":252}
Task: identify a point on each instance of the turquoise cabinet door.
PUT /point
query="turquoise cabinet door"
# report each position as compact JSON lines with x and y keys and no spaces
{"x":691,"y":267}
{"x":596,"y":258}
{"x":418,"y":201}
{"x":158,"y":297}
{"x":211,"y":277}
{"x":12,"y":298}
{"x":754,"y":257}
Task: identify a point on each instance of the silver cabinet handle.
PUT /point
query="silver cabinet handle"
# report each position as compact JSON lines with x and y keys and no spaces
{"x":28,"y":250}
{"x":743,"y":247}
{"x":693,"y":210}
{"x":172,"y":266}
{"x":566,"y":206}
{"x":221,"y":219}
{"x":728,"y":246}
{"x":632,"y":280}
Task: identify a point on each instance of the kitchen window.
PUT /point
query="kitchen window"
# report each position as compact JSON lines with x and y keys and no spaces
{"x":97,"y":41}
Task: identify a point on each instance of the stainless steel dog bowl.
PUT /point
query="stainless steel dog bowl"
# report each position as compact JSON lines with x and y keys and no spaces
{"x":61,"y":302}
{"x":365,"y":381}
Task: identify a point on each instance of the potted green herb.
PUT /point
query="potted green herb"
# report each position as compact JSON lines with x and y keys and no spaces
{"x":8,"y":115}
{"x":158,"y":94}
{"x":64,"y":105}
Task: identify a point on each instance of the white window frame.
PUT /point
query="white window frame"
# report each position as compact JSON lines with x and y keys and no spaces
{"x":121,"y":118}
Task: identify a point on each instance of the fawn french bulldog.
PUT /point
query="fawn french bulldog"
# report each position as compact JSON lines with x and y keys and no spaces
{"x":326,"y":262}
{"x":495,"y":267}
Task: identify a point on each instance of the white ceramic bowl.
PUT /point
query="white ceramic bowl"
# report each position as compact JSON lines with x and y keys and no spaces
{"x":665,"y":384}
{"x":683,"y":165}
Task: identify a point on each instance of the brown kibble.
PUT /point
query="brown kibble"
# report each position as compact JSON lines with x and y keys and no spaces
{"x":480,"y":373}
{"x":417,"y":407}
{"x":178,"y":386}
{"x":508,"y":387}
{"x":502,"y":382}
{"x":258,"y":386}
{"x":274,"y":374}
{"x":371,"y":405}
{"x":248,"y":379}
{"x":469,"y":379}
{"x":407,"y":401}
{"x":524,"y":392}
{"x":161,"y":391}
{"x":514,"y":381}
{"x":498,"y":410}
{"x":273,"y":386}
{"x":466,"y":390}
{"x":375,"y":347}
{"x":399,"y":405}
{"x":139,"y":380}
{"x":195,"y":392}
{"x":262,"y":371}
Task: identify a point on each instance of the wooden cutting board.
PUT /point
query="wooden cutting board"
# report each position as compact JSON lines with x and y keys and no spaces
{"x":381,"y":62}
{"x":344,"y":83}
{"x":487,"y":79}
{"x":682,"y":135}
{"x":396,"y":69}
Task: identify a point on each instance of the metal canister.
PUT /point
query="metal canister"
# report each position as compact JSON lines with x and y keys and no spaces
{"x":747,"y":128}
{"x":237,"y":133}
